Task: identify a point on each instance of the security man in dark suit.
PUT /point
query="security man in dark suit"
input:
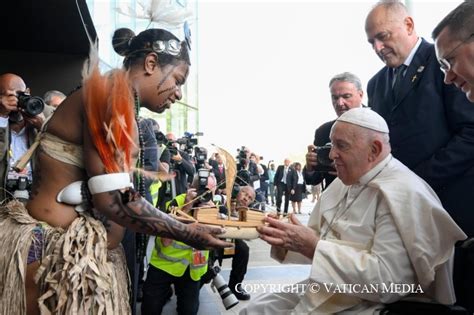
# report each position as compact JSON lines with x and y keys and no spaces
{"x":281,"y":175}
{"x":431,"y":123}
{"x":346,"y":93}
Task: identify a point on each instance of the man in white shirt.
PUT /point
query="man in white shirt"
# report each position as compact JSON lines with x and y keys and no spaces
{"x":377,"y":228}
{"x":17,"y":132}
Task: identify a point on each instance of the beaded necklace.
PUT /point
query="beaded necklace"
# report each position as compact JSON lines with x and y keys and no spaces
{"x":138,"y":177}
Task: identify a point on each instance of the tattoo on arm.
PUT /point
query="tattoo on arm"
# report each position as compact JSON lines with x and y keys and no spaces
{"x":102,"y":218}
{"x":142,"y":217}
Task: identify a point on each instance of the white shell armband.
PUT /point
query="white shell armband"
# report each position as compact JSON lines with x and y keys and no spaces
{"x":108,"y":182}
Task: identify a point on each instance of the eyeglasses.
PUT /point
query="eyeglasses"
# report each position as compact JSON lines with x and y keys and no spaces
{"x":444,"y":63}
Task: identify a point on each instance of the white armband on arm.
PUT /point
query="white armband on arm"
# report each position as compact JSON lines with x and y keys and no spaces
{"x":109,"y":182}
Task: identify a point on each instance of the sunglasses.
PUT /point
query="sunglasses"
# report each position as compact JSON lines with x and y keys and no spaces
{"x":444,"y":63}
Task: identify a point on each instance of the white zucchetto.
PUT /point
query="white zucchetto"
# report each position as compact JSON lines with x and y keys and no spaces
{"x":366,"y":118}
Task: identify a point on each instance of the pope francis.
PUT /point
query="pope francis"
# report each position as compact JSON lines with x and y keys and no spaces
{"x":378,"y":234}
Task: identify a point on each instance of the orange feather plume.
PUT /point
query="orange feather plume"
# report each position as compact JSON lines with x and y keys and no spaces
{"x":110,"y":113}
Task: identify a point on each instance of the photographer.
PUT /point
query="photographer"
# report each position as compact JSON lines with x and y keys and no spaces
{"x":174,"y":262}
{"x":20,"y":119}
{"x":247,"y":170}
{"x":245,"y":197}
{"x":346,"y":93}
{"x":181,"y":165}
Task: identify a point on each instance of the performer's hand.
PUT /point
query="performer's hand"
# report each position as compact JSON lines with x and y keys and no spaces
{"x":292,"y":191}
{"x":206,"y":237}
{"x":291,"y":236}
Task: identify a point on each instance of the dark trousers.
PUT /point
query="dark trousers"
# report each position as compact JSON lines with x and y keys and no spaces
{"x":282,"y":190}
{"x":240,"y":261}
{"x":157,"y":288}
{"x":133,"y":266}
{"x":464,"y":274}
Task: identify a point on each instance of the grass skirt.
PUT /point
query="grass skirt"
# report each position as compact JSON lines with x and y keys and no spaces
{"x":77,"y":275}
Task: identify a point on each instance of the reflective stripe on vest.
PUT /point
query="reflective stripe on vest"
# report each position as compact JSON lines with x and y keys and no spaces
{"x":174,"y":260}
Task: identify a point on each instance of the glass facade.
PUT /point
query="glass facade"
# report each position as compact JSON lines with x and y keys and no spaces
{"x":183,"y":115}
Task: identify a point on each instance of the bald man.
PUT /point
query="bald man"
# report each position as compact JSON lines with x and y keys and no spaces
{"x":373,"y":227}
{"x":17,"y":132}
{"x":431,"y":124}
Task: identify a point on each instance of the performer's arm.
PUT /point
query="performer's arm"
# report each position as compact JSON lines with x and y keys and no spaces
{"x":139,"y":215}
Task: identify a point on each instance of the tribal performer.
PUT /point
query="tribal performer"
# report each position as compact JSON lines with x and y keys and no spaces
{"x":61,"y":253}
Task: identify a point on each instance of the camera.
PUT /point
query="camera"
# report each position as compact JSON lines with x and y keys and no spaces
{"x":228,"y":298}
{"x":241,"y":158}
{"x":325,"y":164}
{"x":186,"y":143}
{"x":30,"y":105}
{"x":200,"y":156}
{"x":19,"y":186}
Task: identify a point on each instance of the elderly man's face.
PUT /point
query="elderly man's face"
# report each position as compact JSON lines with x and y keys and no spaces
{"x":459,"y":54}
{"x":389,"y":36}
{"x":350,"y":152}
{"x":344,"y":96}
{"x":245,"y":197}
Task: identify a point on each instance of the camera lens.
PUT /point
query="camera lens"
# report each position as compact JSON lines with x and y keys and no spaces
{"x":30,"y":105}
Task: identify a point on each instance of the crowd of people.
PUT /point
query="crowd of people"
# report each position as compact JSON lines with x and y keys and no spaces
{"x":88,"y":185}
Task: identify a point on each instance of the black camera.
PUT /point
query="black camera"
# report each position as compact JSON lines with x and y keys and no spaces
{"x":30,"y":105}
{"x":188,"y":141}
{"x":325,"y":164}
{"x":241,"y":158}
{"x":200,"y":156}
{"x":19,"y":187}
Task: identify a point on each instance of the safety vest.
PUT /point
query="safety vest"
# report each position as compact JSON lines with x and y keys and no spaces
{"x":177,"y":256}
{"x":154,"y":187}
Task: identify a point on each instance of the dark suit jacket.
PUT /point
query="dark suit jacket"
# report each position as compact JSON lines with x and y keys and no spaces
{"x":431,"y":131}
{"x":279,"y":175}
{"x":321,"y":137}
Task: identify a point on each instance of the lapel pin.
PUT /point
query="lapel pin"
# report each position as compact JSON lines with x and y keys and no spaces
{"x":413,"y":79}
{"x":420,"y":69}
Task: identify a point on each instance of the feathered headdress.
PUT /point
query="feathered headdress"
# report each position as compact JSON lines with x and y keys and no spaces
{"x":170,"y":14}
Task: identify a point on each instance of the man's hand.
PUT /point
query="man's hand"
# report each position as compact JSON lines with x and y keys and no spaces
{"x":8,"y":103}
{"x":36,"y":121}
{"x":190,"y":195}
{"x":177,"y":157}
{"x":311,"y":158}
{"x":291,"y":236}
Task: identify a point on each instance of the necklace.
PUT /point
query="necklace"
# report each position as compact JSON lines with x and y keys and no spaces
{"x":346,"y":207}
{"x":139,"y":181}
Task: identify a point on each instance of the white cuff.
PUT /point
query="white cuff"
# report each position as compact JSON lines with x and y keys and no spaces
{"x":108,"y":182}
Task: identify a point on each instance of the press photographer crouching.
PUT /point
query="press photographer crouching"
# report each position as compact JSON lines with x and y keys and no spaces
{"x":20,"y":119}
{"x":244,"y":197}
{"x":174,"y":262}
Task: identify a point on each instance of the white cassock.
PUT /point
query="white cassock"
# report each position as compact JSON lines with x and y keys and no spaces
{"x":390,"y":228}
